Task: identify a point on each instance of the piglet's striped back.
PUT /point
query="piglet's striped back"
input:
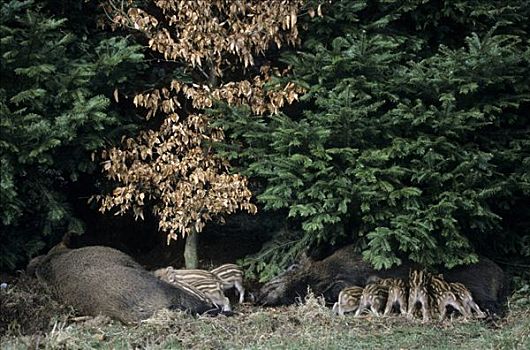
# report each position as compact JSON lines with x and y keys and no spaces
{"x":228,"y":272}
{"x":232,"y":276}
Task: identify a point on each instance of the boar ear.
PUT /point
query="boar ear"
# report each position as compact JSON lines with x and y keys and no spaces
{"x":58,"y":248}
{"x":67,"y":239}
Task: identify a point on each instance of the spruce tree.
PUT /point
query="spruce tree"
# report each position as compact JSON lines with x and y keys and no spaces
{"x":57,"y":75}
{"x":413,"y":137}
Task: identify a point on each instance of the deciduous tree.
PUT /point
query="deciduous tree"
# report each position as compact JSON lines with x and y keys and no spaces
{"x":212,"y":46}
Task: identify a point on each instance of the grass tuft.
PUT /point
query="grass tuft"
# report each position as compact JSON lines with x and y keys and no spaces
{"x":307,"y":325}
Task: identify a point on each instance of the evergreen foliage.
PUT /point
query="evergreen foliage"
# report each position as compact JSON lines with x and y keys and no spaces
{"x":56,"y":77}
{"x":413,"y":138}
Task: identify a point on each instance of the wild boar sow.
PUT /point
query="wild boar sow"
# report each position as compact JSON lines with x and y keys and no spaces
{"x":326,"y":277}
{"x":100,"y":280}
{"x":344,"y":268}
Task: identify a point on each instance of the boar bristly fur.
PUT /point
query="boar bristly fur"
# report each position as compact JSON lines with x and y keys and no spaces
{"x":345,"y":268}
{"x":327,"y":277}
{"x":486,"y":281}
{"x":100,"y":280}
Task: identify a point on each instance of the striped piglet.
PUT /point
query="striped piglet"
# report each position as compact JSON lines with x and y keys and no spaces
{"x":231,"y":276}
{"x":205,"y":281}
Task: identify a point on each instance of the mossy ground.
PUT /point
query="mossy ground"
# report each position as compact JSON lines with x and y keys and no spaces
{"x":31,"y":319}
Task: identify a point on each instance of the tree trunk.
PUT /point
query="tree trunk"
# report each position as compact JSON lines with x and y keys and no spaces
{"x":191,"y":259}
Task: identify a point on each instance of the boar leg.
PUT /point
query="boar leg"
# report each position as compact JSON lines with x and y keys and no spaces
{"x":410,"y":309}
{"x":388,"y":308}
{"x":362,"y":306}
{"x":472,"y":305}
{"x":240,"y":291}
{"x":375,"y":309}
{"x":337,"y":309}
{"x":425,"y":312}
{"x":458,"y":307}
{"x":402,"y":306}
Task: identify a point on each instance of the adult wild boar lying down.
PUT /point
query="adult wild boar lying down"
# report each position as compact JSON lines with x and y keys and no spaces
{"x":344,"y":268}
{"x":100,"y":280}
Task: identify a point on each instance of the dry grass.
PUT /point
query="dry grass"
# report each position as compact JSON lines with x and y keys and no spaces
{"x":309,"y":325}
{"x":26,"y":307}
